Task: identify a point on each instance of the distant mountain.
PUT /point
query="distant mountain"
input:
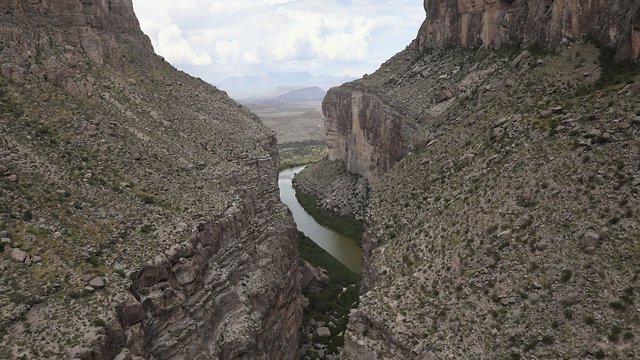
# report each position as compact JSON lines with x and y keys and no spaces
{"x":301,"y":95}
{"x":267,"y":85}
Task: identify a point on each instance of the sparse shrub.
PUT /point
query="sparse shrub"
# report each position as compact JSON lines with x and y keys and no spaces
{"x":36,"y":230}
{"x":615,"y":305}
{"x":94,"y":261}
{"x":147,"y":228}
{"x":589,"y":320}
{"x":7,"y":105}
{"x":99,"y":323}
{"x":566,"y":275}
{"x":27,"y":215}
{"x":568,"y":314}
{"x":76,"y":295}
{"x":17,"y":298}
{"x":614,"y":335}
{"x":148,"y":198}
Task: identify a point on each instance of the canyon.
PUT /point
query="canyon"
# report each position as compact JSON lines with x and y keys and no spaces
{"x":495,"y":162}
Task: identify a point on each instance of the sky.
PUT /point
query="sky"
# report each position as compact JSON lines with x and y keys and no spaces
{"x":217,"y":39}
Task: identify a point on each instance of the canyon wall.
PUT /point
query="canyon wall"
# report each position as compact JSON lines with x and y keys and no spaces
{"x":501,"y":221}
{"x":496,"y":23}
{"x":366,"y":132}
{"x":370,"y":133}
{"x":139,"y":208}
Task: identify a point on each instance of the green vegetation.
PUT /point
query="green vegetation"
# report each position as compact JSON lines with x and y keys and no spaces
{"x":36,"y":230}
{"x":147,"y":228}
{"x":612,"y":73}
{"x":332,"y":302}
{"x":151,"y":199}
{"x":301,"y":153}
{"x":348,"y":226}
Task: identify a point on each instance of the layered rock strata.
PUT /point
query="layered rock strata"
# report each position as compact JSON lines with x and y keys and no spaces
{"x":148,"y":198}
{"x":366,"y":131}
{"x":496,"y":23}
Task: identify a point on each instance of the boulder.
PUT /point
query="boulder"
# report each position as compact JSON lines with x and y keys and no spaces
{"x":313,"y":279}
{"x":525,"y":55}
{"x":129,"y":313}
{"x":19,"y":255}
{"x":324,"y":332}
{"x":445,"y":94}
{"x":97,"y":283}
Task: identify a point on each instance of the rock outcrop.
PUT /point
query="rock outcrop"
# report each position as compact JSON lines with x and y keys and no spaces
{"x":496,"y":23}
{"x":141,"y":203}
{"x":503,"y":225}
{"x":338,"y":190}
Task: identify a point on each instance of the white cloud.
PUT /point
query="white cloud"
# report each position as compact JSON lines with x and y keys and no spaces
{"x":227,"y":51}
{"x":170,"y":43}
{"x":221,"y":38}
{"x":251,"y":56}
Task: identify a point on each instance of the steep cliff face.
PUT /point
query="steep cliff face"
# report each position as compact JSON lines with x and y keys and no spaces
{"x":367,"y":132}
{"x":495,"y":23}
{"x":139,"y":210}
{"x":506,"y":228}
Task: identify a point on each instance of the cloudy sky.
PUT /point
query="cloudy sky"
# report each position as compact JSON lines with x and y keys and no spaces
{"x":216,"y":39}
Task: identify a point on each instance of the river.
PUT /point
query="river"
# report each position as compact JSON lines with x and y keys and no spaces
{"x":341,"y":247}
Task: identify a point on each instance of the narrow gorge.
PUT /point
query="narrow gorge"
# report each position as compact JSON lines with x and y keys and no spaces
{"x":493,"y":164}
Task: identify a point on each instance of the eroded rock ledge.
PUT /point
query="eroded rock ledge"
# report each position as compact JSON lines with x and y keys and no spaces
{"x":215,"y":294}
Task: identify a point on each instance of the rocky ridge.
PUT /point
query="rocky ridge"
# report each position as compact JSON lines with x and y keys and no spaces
{"x":138,"y":205}
{"x":516,"y":211}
